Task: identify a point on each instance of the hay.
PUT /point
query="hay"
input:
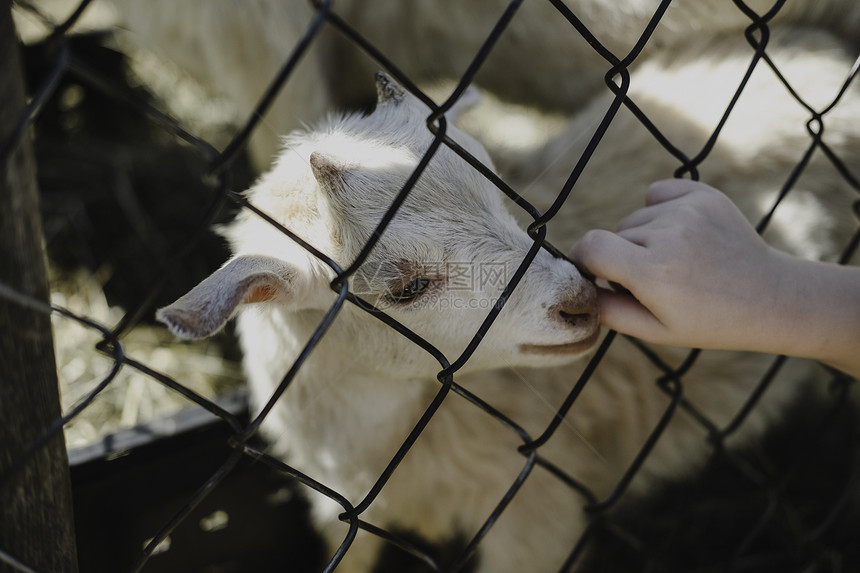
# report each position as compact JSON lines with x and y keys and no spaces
{"x":113,"y":219}
{"x":132,"y":397}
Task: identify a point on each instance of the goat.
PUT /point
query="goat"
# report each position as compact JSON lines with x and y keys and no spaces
{"x":365,"y":386}
{"x":350,"y":407}
{"x":540,"y":60}
{"x":684,"y":92}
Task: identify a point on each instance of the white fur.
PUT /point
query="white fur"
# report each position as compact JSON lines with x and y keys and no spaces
{"x":685,"y":93}
{"x":540,"y":60}
{"x":352,"y":406}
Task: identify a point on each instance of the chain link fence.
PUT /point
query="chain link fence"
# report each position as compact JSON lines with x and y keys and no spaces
{"x":786,"y":502}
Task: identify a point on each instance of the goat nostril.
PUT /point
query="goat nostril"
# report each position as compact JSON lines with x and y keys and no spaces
{"x":574,"y":319}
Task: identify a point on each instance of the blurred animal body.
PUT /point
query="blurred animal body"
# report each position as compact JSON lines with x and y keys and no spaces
{"x":540,"y":60}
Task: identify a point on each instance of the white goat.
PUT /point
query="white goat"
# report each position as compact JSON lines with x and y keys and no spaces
{"x":438,"y":268}
{"x":685,"y":91}
{"x":541,"y":60}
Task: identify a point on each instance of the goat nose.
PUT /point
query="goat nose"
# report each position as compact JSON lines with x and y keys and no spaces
{"x":575,"y":319}
{"x":577,"y":309}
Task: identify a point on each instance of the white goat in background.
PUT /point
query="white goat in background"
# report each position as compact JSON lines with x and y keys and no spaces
{"x":364,"y":387}
{"x":541,"y":60}
{"x":685,"y":91}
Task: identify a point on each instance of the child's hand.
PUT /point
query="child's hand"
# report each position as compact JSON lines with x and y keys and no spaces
{"x":700,"y":275}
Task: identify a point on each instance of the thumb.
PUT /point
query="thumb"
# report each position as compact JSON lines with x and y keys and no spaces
{"x":671,"y":189}
{"x":622,"y":312}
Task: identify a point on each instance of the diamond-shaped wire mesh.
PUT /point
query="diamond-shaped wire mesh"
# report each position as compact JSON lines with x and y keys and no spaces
{"x":770,"y":523}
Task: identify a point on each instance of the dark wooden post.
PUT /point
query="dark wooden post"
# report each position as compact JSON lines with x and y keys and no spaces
{"x":36,"y":525}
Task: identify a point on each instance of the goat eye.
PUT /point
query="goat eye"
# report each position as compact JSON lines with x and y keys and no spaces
{"x":409,"y":291}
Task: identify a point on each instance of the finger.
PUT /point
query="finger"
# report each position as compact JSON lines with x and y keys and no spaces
{"x":607,"y":255}
{"x":671,"y":189}
{"x":622,"y":312}
{"x":660,"y":197}
{"x":642,"y":236}
{"x":639,"y":218}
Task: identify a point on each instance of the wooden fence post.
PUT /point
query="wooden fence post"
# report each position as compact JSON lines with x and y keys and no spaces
{"x":36,"y":524}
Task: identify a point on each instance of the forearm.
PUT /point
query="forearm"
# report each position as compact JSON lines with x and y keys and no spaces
{"x":818,"y":314}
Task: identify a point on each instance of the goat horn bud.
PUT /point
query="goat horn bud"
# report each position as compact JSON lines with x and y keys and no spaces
{"x":387,"y":90}
{"x":326,"y":171}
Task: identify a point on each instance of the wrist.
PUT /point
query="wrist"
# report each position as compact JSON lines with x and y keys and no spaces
{"x":818,"y":313}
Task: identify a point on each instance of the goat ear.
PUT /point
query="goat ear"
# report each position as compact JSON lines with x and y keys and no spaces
{"x":387,"y":91}
{"x":206,"y":308}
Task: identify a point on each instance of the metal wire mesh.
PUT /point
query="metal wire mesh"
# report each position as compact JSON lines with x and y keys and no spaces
{"x":614,"y":540}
